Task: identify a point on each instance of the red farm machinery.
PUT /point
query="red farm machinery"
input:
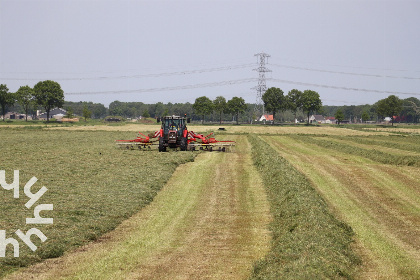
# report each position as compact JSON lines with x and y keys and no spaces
{"x":175,"y":135}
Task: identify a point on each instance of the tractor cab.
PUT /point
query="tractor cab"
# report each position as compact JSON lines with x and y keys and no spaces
{"x":173,"y":133}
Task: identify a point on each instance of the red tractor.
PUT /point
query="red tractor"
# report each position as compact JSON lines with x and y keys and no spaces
{"x":173,"y":133}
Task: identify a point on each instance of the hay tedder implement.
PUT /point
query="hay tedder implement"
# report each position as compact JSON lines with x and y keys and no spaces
{"x":174,"y":134}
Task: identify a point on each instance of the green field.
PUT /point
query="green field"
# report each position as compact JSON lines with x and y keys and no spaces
{"x":93,"y":185}
{"x":344,"y":203}
{"x":373,"y":184}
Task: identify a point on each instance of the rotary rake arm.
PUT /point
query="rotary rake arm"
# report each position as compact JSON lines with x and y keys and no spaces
{"x":194,"y":141}
{"x":141,"y":141}
{"x":207,"y":143}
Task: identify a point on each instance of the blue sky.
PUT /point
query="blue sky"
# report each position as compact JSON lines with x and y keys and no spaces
{"x":350,"y":52}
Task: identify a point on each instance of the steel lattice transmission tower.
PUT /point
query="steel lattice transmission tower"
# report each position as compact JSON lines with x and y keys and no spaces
{"x":262,"y":87}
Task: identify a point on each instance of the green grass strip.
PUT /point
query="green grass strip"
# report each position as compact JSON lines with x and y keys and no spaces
{"x":372,"y":154}
{"x":407,"y":143}
{"x":93,"y":186}
{"x":308,"y":241}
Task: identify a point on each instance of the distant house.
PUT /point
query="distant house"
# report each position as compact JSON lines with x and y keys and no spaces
{"x":266,"y":118}
{"x":56,"y":113}
{"x":316,"y":119}
{"x":388,"y":119}
{"x":400,"y":119}
{"x":330,"y":120}
{"x":14,"y":116}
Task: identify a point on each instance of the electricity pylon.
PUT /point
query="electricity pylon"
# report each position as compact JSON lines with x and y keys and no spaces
{"x":261,"y":87}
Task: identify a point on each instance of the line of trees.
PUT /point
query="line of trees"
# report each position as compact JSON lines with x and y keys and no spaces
{"x":307,"y":101}
{"x":286,"y":108}
{"x":47,"y":94}
{"x":398,"y":110}
{"x":204,"y":106}
{"x":295,"y":105}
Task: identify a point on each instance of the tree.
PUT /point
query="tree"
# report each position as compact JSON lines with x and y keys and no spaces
{"x":236,"y":106}
{"x":86,"y":112}
{"x":311,"y":102}
{"x":6,"y":99}
{"x":116,"y":108}
{"x":293,"y":101}
{"x":69,"y":112}
{"x":390,"y":107}
{"x":25,"y":97}
{"x":159,"y":110}
{"x":203,"y":106}
{"x":166,"y":112}
{"x":145,"y":114}
{"x":339,"y":116}
{"x":49,"y":95}
{"x":365,"y":116}
{"x":220,"y":106}
{"x":273,"y":100}
{"x":411,"y":109}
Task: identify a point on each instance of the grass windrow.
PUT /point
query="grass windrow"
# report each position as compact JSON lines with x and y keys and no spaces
{"x":380,"y":201}
{"x":308,"y":241}
{"x":378,"y":154}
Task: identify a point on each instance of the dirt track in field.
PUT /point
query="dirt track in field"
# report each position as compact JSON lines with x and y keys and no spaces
{"x":380,"y":202}
{"x":209,"y":222}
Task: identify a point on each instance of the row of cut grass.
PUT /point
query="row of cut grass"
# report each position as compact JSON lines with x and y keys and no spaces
{"x":379,"y":201}
{"x":373,"y":154}
{"x":308,"y":241}
{"x":92,"y":185}
{"x":406,"y":143}
{"x":375,"y":145}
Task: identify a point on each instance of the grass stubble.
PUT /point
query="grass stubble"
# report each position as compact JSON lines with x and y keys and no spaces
{"x":93,"y":186}
{"x":208,"y":222}
{"x":379,"y":201}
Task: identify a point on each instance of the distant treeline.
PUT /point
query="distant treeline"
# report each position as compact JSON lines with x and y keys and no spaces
{"x":353,"y":113}
{"x":410,"y":111}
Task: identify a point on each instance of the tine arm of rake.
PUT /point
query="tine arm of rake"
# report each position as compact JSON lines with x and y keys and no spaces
{"x":208,"y":135}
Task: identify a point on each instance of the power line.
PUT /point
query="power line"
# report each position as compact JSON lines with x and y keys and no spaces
{"x":346,"y":73}
{"x":234,"y":82}
{"x":342,"y":88}
{"x":137,"y":76}
{"x":357,"y":67}
{"x":342,"y":101}
{"x":216,"y":84}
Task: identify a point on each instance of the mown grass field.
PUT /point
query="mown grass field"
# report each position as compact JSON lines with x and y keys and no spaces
{"x":308,"y":241}
{"x":257,"y":129}
{"x":93,"y":185}
{"x":344,"y":201}
{"x":208,"y":222}
{"x":373,"y":184}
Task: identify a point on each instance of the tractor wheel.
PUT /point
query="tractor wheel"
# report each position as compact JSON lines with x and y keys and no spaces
{"x":184,"y":144}
{"x":162,"y":147}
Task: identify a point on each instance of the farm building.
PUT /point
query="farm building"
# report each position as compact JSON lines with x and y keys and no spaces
{"x":266,"y":118}
{"x":56,"y":113}
{"x":330,"y":120}
{"x":316,"y":119}
{"x":14,"y":116}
